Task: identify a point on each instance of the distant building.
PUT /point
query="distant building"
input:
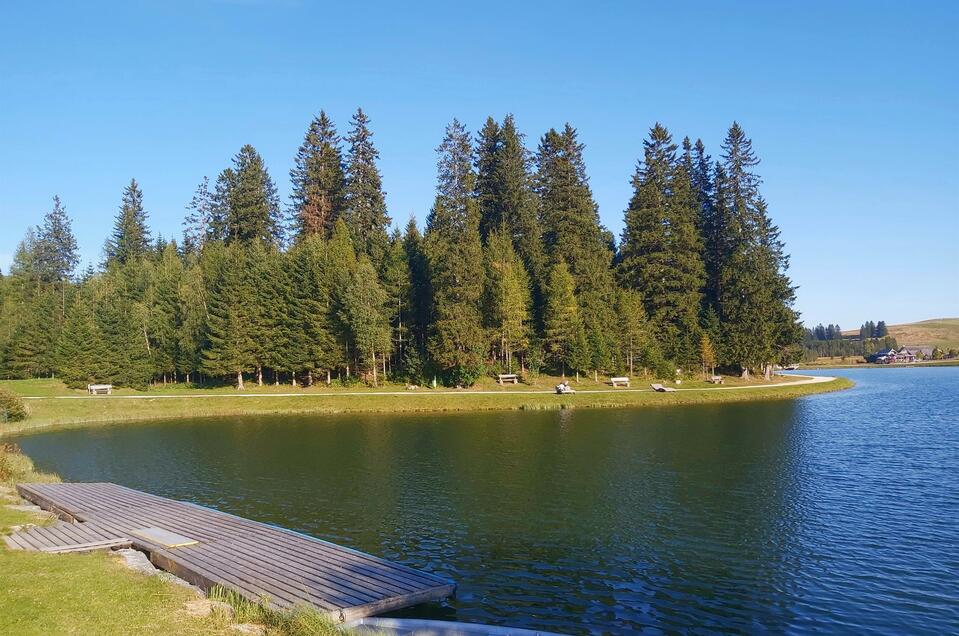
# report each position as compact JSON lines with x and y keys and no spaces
{"x":892,"y":356}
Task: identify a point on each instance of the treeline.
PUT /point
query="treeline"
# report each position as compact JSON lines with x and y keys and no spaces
{"x":513,"y":272}
{"x":828,"y":341}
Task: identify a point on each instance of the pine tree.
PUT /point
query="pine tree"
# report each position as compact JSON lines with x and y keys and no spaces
{"x":54,"y":252}
{"x":365,"y":214}
{"x":131,"y":237}
{"x":661,"y":249}
{"x":454,"y":251}
{"x":319,"y":181}
{"x":251,"y":208}
{"x":508,"y":305}
{"x":564,"y":329}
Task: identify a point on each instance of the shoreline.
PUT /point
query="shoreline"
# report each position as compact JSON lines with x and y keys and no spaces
{"x":61,"y":411}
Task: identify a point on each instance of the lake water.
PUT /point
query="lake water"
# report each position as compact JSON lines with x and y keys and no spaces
{"x":836,"y":513}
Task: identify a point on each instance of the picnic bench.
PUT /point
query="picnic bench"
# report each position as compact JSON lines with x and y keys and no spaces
{"x":99,"y":389}
{"x":619,"y":381}
{"x":502,"y":378}
{"x":715,"y":379}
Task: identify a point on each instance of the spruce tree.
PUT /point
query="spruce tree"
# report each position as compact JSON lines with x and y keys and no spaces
{"x":755,"y":294}
{"x":80,"y":348}
{"x":163,"y":302}
{"x":563,"y":327}
{"x":319,"y":181}
{"x":340,"y":260}
{"x":198,"y":226}
{"x":130,"y":239}
{"x":572,"y":234}
{"x":191,"y":320}
{"x":251,"y":208}
{"x":365,"y":214}
{"x":396,"y":283}
{"x":311,"y":345}
{"x":661,"y":248}
{"x":229,"y":350}
{"x":455,"y":254}
{"x":122,"y":321}
{"x":505,"y":195}
{"x":54,"y":252}
{"x":364,"y":310}
{"x":420,"y":289}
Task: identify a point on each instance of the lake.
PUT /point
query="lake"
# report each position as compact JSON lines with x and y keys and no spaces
{"x":837,"y":512}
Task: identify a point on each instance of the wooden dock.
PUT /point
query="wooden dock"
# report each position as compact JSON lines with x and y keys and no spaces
{"x":266,"y":564}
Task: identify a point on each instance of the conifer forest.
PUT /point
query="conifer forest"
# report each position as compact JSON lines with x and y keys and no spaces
{"x":512,"y":273}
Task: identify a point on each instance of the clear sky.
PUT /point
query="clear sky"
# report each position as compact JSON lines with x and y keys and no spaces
{"x":853,"y":108}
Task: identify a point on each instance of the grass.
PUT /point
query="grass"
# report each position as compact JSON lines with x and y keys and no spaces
{"x":93,"y":594}
{"x":938,"y":332}
{"x":171,"y":403}
{"x":304,"y":621}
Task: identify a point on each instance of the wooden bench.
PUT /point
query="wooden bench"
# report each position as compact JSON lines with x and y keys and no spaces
{"x":502,"y":378}
{"x":99,"y":389}
{"x":715,"y":379}
{"x":619,"y":381}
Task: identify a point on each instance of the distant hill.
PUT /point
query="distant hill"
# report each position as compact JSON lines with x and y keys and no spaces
{"x":938,"y":332}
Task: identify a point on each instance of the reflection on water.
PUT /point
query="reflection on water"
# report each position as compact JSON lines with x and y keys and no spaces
{"x":832,"y":512}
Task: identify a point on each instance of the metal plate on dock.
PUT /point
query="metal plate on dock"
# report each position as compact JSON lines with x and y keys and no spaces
{"x":163,"y":537}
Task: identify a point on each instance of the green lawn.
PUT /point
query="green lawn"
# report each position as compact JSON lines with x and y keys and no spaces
{"x":94,"y":594}
{"x":165,"y":404}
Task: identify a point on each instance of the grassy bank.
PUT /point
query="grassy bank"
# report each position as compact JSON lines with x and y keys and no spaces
{"x":81,"y":593}
{"x":94,"y":594}
{"x":57,"y":406}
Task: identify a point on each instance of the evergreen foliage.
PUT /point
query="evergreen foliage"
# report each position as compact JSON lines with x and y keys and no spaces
{"x":514,"y":273}
{"x":131,"y":236}
{"x":455,"y":255}
{"x":661,"y":251}
{"x":365,"y":214}
{"x":319,"y":180}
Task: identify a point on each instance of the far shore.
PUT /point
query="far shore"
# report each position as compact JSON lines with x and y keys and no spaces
{"x":53,"y":405}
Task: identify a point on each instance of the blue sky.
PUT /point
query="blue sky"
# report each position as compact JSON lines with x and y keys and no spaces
{"x":852,"y":106}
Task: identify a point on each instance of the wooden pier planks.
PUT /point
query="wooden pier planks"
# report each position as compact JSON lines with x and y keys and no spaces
{"x":263,"y":563}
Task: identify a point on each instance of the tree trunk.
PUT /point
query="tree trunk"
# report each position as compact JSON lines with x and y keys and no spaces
{"x":374,"y":367}
{"x":745,"y":375}
{"x":329,"y":380}
{"x":293,"y":378}
{"x":239,"y":380}
{"x":259,"y":375}
{"x":309,"y":378}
